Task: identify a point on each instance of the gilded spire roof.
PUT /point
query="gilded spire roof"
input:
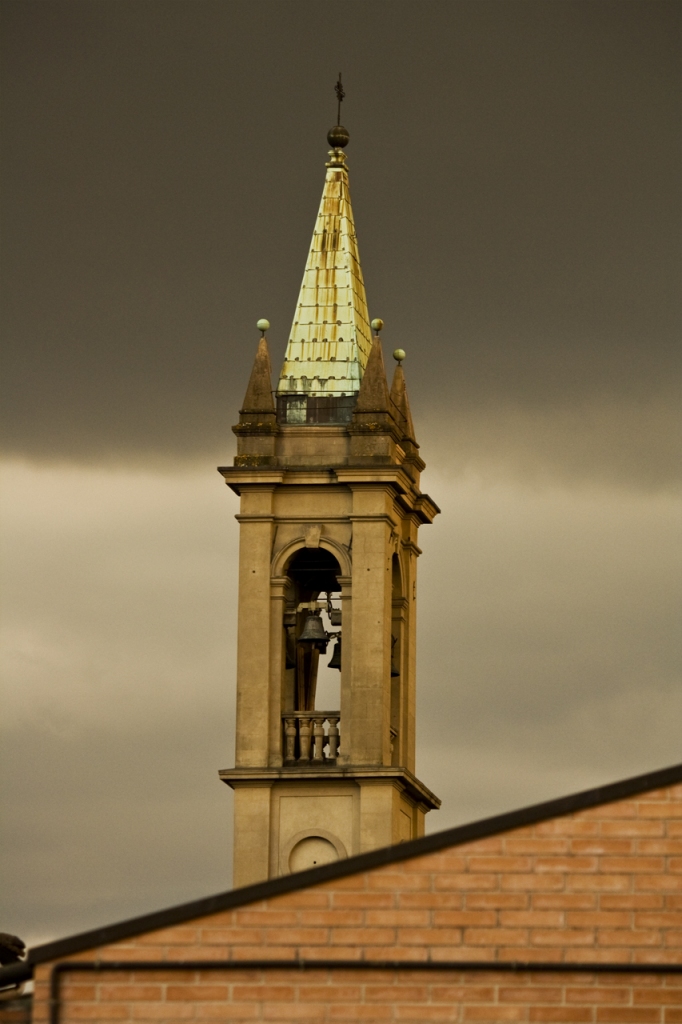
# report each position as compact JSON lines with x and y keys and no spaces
{"x":330,"y":337}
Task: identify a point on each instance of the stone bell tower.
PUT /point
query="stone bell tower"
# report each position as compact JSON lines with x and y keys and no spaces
{"x":327,"y":473}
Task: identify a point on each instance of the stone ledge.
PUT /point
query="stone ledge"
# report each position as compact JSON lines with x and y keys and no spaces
{"x":401,"y":777}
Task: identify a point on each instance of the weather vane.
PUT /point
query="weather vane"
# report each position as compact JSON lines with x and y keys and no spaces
{"x":338,"y":89}
{"x":338,"y":137}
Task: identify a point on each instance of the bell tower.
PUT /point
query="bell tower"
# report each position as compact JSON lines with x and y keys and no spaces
{"x":327,"y":471}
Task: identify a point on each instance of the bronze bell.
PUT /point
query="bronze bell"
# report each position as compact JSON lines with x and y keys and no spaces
{"x":313,"y":632}
{"x":335,"y":661}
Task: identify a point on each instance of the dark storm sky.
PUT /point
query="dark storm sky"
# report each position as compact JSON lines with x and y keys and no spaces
{"x":515,"y":174}
{"x":515,"y":178}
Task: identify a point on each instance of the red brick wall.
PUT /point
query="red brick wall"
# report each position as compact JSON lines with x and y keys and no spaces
{"x":408,"y":996}
{"x":600,"y":885}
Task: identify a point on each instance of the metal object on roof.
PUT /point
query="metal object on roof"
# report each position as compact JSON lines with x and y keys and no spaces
{"x":330,"y":337}
{"x":338,"y":136}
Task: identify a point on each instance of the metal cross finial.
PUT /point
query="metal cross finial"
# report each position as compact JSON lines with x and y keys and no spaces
{"x":338,"y":89}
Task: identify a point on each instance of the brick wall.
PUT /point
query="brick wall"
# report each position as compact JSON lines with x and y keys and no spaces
{"x":602,"y":885}
{"x":408,"y":996}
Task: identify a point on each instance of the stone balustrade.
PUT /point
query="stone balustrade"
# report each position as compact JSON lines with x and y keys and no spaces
{"x":307,"y":734}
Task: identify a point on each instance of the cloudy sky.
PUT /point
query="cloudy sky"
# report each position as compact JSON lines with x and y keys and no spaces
{"x":515,"y":179}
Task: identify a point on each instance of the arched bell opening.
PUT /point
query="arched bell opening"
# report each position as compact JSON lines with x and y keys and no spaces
{"x":397,"y":659}
{"x":312,"y":628}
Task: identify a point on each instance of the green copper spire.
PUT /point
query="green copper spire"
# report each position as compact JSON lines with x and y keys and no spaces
{"x":330,"y":337}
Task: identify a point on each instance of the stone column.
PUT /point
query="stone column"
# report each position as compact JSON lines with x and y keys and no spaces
{"x":346,"y":662}
{"x":410,"y":553}
{"x":370,"y":649}
{"x":252,"y":820}
{"x":277,"y":600}
{"x":253,"y":638}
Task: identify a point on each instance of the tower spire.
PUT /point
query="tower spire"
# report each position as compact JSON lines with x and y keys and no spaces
{"x":329,"y":485}
{"x":330,"y":339}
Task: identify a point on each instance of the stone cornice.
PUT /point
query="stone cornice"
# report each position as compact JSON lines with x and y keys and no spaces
{"x":422,"y":506}
{"x":391,"y":776}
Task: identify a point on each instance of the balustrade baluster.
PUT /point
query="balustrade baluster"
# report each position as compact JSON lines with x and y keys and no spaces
{"x":290,"y":738}
{"x":333,"y":736}
{"x":304,"y":733}
{"x":318,"y":739}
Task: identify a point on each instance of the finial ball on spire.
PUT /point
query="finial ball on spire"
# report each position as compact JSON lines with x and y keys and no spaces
{"x":338,"y":137}
{"x":263,"y":326}
{"x":376,"y":325}
{"x":399,"y":355}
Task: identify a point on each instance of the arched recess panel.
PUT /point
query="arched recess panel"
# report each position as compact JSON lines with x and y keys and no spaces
{"x":398,"y":661}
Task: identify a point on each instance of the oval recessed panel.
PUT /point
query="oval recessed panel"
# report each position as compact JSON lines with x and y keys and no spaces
{"x":311,"y":852}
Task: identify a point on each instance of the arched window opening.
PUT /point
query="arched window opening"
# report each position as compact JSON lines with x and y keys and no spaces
{"x":312,"y":622}
{"x":314,"y":571}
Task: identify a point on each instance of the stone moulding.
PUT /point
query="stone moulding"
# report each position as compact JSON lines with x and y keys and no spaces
{"x":390,"y":776}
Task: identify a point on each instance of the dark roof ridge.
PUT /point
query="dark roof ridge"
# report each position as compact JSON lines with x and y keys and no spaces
{"x":361,"y":862}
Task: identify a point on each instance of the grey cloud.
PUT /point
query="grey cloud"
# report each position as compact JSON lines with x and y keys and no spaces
{"x":549,"y":640}
{"x":118,"y":700}
{"x":107,"y":823}
{"x":631,"y":446}
{"x":516,"y":197}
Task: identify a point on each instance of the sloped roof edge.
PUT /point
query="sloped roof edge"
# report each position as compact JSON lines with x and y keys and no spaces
{"x":362,"y":862}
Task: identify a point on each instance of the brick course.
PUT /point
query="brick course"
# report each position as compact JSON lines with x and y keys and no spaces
{"x":329,"y":995}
